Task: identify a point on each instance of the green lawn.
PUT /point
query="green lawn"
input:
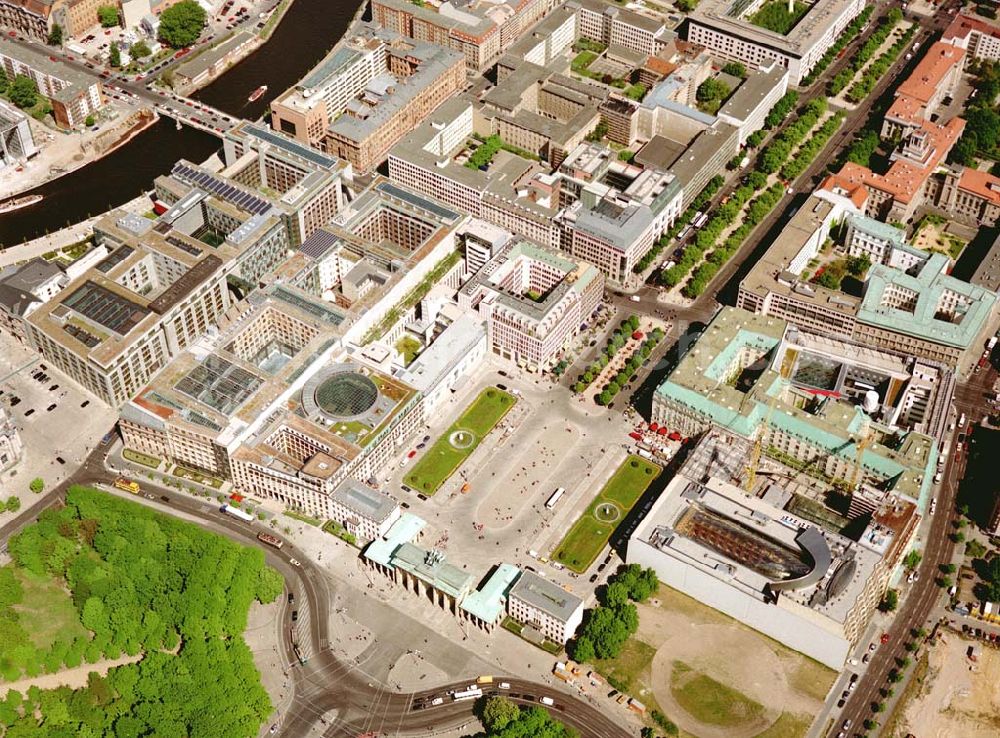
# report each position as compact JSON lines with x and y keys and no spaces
{"x":442,"y":459}
{"x":588,"y":536}
{"x":139,"y":458}
{"x":709,"y":701}
{"x":788,"y":725}
{"x":46,"y":611}
{"x":774,"y":16}
{"x":630,"y":668}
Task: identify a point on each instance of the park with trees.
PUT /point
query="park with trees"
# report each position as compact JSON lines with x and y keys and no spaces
{"x":608,"y":626}
{"x":102,"y":577}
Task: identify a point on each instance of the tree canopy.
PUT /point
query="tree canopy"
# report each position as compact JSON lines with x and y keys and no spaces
{"x":181,"y":24}
{"x":23,"y":92}
{"x":148,"y":585}
{"x":606,"y":628}
{"x":503,"y":719}
{"x":108,"y":16}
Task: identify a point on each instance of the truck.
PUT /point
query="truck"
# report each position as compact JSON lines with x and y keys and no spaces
{"x":127,"y":484}
{"x":236,"y":513}
{"x":484,"y":680}
{"x":991,"y":342}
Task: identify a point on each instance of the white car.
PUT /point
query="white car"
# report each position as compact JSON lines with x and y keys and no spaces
{"x":294,"y":562}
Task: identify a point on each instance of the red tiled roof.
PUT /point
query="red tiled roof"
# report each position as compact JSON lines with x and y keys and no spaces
{"x":983,"y":184}
{"x":933,"y":68}
{"x":963,"y":25}
{"x":857,"y":193}
{"x":905,"y":178}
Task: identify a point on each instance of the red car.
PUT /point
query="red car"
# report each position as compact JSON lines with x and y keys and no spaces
{"x":412,"y":453}
{"x":884,"y":639}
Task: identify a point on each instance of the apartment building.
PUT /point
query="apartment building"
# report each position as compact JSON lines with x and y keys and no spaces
{"x":724,"y":27}
{"x":31,"y":18}
{"x":367,"y":93}
{"x":24,"y":288}
{"x":609,"y":24}
{"x":545,"y":606}
{"x":534,"y":301}
{"x":480,"y":30}
{"x":266,"y":175}
{"x":977,"y":36}
{"x":73,"y":95}
{"x":910,"y":304}
{"x":305,"y":110}
{"x":616,"y":221}
{"x":517,"y":194}
{"x":423,"y":76}
{"x":112,"y":328}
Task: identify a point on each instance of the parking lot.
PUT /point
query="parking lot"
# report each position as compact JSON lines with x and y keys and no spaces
{"x":59,"y":423}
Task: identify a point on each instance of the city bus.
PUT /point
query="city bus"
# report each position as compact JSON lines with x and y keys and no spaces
{"x":236,"y":513}
{"x":270,"y":540}
{"x":551,"y":502}
{"x":127,"y":484}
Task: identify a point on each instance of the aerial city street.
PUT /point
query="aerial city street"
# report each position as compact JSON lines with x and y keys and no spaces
{"x":499,"y":368}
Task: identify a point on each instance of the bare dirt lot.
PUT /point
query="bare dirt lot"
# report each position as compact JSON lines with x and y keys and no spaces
{"x":959,"y":698}
{"x":717,"y":678}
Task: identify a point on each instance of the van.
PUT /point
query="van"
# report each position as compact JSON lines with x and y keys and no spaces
{"x":547,"y":701}
{"x":635,"y":298}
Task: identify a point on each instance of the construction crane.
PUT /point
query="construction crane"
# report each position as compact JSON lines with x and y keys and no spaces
{"x":758,"y":444}
{"x":860,"y":444}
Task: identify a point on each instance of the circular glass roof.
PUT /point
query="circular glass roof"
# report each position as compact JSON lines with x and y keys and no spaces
{"x":346,"y":394}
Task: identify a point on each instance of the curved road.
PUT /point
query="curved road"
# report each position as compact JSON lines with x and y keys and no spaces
{"x":329,"y":691}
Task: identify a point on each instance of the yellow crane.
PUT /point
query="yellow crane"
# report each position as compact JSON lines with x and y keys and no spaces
{"x":758,"y":444}
{"x":860,"y":444}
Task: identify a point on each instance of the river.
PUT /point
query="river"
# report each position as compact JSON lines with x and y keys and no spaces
{"x":308,"y":31}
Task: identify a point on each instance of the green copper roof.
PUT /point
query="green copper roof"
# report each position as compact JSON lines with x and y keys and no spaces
{"x":702,"y":381}
{"x":932,"y":289}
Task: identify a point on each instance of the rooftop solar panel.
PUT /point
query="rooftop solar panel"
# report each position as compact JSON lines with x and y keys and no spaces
{"x":221,"y":188}
{"x":318,"y":244}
